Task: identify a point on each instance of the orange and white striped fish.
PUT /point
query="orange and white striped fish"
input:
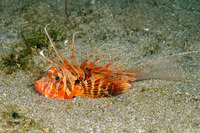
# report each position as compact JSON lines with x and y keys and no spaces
{"x":68,"y":80}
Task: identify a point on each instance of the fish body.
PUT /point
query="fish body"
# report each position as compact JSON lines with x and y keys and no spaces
{"x":68,"y":80}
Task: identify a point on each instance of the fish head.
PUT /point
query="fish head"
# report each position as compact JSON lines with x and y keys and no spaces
{"x":52,"y":84}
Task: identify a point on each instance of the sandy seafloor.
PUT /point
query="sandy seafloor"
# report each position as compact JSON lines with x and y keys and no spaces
{"x":142,"y":29}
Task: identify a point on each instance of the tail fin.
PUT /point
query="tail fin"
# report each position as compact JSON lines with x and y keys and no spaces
{"x":169,"y":67}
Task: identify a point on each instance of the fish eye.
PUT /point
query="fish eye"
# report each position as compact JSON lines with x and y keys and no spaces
{"x":57,"y":78}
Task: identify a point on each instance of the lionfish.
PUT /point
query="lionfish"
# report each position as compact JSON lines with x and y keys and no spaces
{"x":68,"y":80}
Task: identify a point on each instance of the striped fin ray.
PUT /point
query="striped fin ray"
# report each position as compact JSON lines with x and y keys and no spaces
{"x":84,"y":63}
{"x":74,"y":63}
{"x":62,"y":59}
{"x":92,"y":64}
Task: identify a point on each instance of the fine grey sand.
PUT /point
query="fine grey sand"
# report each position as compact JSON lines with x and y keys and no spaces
{"x":143,"y":30}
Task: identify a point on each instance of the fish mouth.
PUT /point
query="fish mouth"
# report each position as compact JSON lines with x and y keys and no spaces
{"x":38,"y":87}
